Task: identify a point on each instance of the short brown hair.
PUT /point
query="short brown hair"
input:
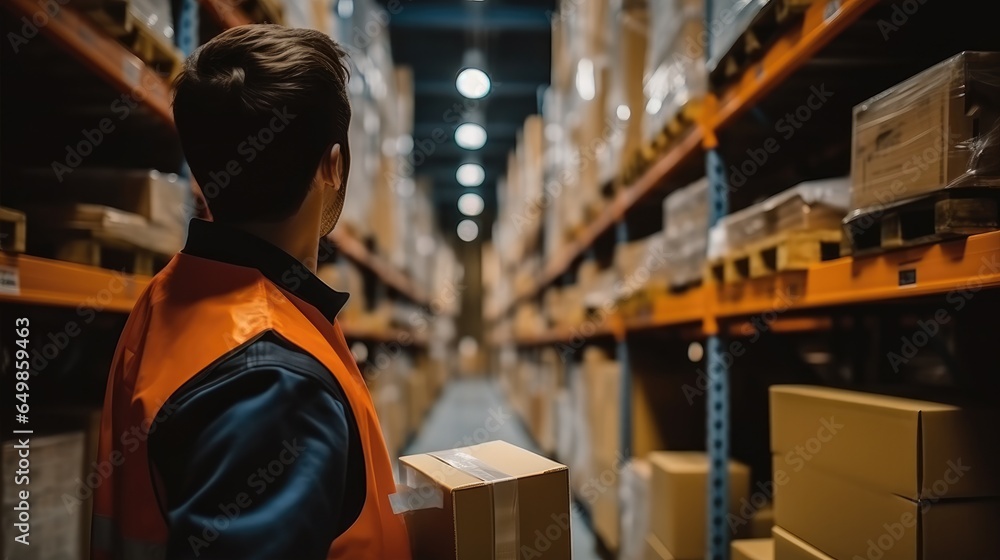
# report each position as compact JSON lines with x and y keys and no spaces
{"x":256,"y":108}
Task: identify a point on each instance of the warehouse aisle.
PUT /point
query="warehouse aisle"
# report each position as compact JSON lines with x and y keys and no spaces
{"x":459,"y":418}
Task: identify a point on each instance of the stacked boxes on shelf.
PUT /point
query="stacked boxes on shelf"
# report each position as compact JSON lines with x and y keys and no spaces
{"x":866,"y":475}
{"x":601,"y":412}
{"x":140,"y":211}
{"x":679,"y":487}
{"x":675,"y":77}
{"x":685,"y":229}
{"x":788,"y":231}
{"x":625,"y":104}
{"x":934,"y":131}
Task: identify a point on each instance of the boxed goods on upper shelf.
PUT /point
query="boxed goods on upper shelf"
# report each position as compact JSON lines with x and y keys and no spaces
{"x":788,"y":231}
{"x":813,"y":205}
{"x":675,"y":62}
{"x":624,"y":104}
{"x":685,"y":233}
{"x":936,"y":130}
{"x":163,"y":199}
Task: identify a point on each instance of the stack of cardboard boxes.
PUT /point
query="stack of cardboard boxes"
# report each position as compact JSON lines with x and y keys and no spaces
{"x":872,"y":476}
{"x":679,"y":498}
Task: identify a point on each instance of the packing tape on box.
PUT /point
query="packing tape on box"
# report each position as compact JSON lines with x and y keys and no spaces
{"x":422,"y":493}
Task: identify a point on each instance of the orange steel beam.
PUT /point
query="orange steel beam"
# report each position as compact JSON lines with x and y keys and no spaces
{"x":226,"y":12}
{"x":956,"y":269}
{"x":105,"y":56}
{"x":821,"y":23}
{"x":672,"y":309}
{"x":56,"y":283}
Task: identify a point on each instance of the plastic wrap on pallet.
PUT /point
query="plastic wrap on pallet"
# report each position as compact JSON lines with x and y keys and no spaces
{"x":156,"y":15}
{"x":808,"y":206}
{"x":624,"y":103}
{"x":718,"y":244}
{"x":675,"y":61}
{"x":685,"y":228}
{"x":937,"y":130}
{"x":727,"y":20}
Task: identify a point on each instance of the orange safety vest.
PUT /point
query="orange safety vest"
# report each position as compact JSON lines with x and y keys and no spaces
{"x":192,"y":314}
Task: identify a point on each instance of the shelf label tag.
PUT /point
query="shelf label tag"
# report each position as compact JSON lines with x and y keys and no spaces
{"x":907,"y":277}
{"x":10,"y":280}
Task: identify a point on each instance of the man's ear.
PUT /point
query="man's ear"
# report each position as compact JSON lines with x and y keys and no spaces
{"x":333,"y":171}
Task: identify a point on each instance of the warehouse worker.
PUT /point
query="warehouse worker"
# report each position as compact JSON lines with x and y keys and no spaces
{"x":236,"y":423}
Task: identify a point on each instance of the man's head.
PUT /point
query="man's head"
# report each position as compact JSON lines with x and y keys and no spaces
{"x":262,"y":112}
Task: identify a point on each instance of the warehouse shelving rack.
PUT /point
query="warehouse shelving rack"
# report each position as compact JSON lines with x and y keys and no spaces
{"x":714,"y":311}
{"x":47,"y":282}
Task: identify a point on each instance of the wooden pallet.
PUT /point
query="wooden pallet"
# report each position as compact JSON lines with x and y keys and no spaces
{"x":769,"y":24}
{"x":780,"y":252}
{"x":13,"y":230}
{"x":680,"y":124}
{"x":115,"y":17}
{"x":101,"y":236}
{"x":97,"y":252}
{"x":154,"y":50}
{"x":947,"y":214}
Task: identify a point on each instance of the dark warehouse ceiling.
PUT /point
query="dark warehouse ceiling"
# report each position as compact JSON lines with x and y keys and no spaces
{"x":432,"y":37}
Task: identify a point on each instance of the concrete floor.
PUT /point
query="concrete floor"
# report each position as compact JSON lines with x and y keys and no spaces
{"x":459,"y":418}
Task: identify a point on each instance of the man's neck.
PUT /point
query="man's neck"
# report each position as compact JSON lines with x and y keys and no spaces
{"x":289,"y":239}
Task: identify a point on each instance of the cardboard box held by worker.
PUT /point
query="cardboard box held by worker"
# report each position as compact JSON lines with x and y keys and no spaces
{"x":488,"y":501}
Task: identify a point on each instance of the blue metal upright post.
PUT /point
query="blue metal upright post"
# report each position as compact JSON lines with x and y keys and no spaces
{"x":621,"y":352}
{"x":718,"y":392}
{"x":187,"y":27}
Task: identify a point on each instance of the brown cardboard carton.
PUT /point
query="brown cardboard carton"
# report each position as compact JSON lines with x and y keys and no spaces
{"x":934,"y":130}
{"x":162,"y":198}
{"x":846,"y":520}
{"x":789,"y":547}
{"x":678,"y":512}
{"x":889,"y":444}
{"x":752,"y":549}
{"x":761,"y":523}
{"x":655,"y":549}
{"x":455,"y":514}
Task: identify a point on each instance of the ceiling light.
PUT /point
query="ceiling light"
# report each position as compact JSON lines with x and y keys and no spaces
{"x":404,"y":144}
{"x":471,"y":204}
{"x":467,"y":230}
{"x":473,"y":83}
{"x":345,"y":8}
{"x":470,"y":175}
{"x":585,"y":84}
{"x":470,"y":136}
{"x":623,"y":112}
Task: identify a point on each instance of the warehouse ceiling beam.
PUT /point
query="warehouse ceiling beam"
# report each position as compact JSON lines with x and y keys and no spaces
{"x":463,"y":18}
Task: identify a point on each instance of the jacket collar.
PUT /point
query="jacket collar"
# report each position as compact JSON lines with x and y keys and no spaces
{"x":222,"y":243}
